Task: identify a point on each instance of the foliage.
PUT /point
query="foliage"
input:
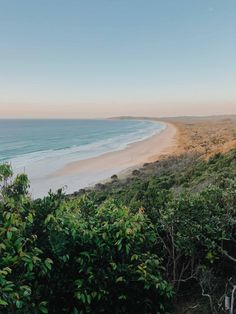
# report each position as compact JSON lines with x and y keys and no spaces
{"x":133,"y":246}
{"x":192,"y":204}
{"x":22,"y":263}
{"x":59,"y":257}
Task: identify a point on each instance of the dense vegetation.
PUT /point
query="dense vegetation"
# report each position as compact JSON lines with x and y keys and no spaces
{"x":162,"y":241}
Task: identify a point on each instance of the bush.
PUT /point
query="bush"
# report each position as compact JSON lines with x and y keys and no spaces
{"x":22,"y":264}
{"x":126,"y":247}
{"x":72,"y":256}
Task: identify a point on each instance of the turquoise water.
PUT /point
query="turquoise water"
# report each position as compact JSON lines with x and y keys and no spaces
{"x":40,"y":147}
{"x":79,"y":138}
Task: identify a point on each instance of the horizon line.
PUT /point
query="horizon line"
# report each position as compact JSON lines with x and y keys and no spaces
{"x":121,"y":117}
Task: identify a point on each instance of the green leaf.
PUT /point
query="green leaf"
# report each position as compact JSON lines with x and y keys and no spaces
{"x":48,"y":263}
{"x":30,"y":218}
{"x":88,"y":298}
{"x":31,"y":266}
{"x":82,"y":297}
{"x":3,"y":303}
{"x":43,"y":307}
{"x":120,"y":279}
{"x":75,"y":311}
{"x":8,"y":216}
{"x":19,"y":304}
{"x":9,"y":235}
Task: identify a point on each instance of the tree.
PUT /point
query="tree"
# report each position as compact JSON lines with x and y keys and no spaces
{"x":21,"y":263}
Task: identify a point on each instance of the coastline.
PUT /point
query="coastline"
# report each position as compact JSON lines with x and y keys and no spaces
{"x":87,"y":173}
{"x":203,"y":136}
{"x":117,"y":162}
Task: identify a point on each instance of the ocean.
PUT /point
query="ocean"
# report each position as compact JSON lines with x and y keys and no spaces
{"x":41,"y":147}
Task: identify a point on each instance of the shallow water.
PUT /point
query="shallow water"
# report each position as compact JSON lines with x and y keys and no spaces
{"x":40,"y":147}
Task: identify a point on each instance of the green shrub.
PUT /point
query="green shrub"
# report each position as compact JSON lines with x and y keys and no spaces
{"x":22,"y":264}
{"x":128,"y":247}
{"x":72,"y":256}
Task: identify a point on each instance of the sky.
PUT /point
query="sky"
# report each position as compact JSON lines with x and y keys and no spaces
{"x":101,"y":58}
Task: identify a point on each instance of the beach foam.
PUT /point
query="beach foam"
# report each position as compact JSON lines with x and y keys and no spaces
{"x":40,"y":148}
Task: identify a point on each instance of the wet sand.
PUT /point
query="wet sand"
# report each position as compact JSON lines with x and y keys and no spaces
{"x":135,"y":154}
{"x":183,"y":135}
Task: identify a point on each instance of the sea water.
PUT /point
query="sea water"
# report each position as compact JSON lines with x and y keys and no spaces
{"x":41,"y":147}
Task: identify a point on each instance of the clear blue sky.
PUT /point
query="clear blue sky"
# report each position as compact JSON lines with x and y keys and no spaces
{"x":77,"y":58}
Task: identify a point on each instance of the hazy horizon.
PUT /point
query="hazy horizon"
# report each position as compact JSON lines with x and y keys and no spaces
{"x":120,"y":116}
{"x":98,"y":59}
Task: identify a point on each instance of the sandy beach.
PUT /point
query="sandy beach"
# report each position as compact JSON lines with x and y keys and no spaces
{"x":134,"y":155}
{"x":182,"y":135}
{"x":202,"y":135}
{"x":86,"y":173}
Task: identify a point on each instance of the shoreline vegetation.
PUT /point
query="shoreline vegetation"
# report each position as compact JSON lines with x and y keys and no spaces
{"x":159,"y":240}
{"x":203,"y":136}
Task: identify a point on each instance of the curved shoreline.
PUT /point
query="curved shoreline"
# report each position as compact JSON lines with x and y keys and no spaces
{"x":87,"y":173}
{"x":136,"y":154}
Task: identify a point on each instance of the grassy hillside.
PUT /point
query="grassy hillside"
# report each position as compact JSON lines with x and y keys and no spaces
{"x":161,"y":241}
